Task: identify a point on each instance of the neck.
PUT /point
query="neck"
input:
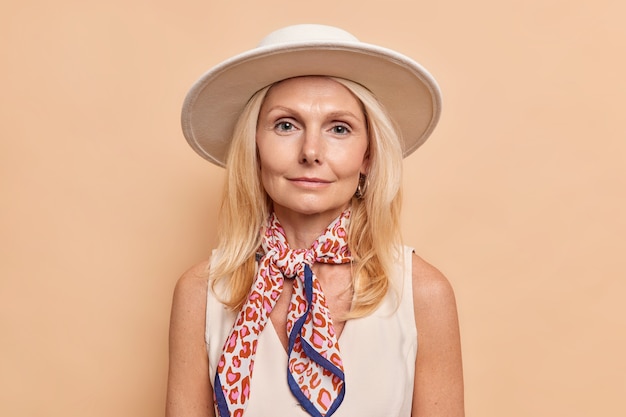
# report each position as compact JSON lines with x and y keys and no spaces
{"x":302,"y":230}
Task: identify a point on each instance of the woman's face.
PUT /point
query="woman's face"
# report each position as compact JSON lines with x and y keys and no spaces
{"x":312,"y":142}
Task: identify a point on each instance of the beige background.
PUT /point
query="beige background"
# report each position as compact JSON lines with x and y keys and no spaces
{"x":519,"y":197}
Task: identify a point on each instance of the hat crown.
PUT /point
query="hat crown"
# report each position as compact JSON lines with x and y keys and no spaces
{"x":307,"y":33}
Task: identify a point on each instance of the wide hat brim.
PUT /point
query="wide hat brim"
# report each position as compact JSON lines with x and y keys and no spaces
{"x":409,"y":93}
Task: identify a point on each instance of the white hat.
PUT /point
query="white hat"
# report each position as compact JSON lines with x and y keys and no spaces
{"x":408,"y":92}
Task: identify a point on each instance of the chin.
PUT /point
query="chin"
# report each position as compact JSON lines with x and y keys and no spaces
{"x":312,"y":208}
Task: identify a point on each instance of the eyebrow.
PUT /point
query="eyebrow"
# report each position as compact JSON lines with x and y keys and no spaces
{"x":331,"y":115}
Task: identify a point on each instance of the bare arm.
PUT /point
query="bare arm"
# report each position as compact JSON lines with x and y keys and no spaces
{"x":438,"y":368}
{"x":189,"y":392}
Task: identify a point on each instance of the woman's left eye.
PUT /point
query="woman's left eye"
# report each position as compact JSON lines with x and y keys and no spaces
{"x":341,"y":129}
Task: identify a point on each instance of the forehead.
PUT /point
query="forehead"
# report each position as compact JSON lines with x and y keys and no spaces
{"x":311,"y":88}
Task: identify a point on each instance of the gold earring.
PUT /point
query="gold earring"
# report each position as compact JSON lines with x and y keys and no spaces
{"x":362,"y":187}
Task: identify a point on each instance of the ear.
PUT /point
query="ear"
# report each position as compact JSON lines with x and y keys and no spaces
{"x":365,"y":166}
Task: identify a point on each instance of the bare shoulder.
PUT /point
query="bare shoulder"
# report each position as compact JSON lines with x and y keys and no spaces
{"x":188,"y":316}
{"x":438,"y":389}
{"x":188,"y":385}
{"x":191,"y":287}
{"x":431,"y":289}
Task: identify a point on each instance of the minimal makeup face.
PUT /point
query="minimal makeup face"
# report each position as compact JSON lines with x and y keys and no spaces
{"x":312,"y":141}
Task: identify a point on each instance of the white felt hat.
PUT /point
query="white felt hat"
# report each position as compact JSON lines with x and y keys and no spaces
{"x":213,"y":104}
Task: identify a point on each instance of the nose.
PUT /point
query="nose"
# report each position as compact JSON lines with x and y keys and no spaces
{"x":312,"y":147}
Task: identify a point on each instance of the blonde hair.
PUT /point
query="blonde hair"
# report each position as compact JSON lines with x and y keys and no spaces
{"x":374,"y":232}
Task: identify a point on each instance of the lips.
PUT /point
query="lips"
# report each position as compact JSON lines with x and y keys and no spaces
{"x":309,"y":182}
{"x":306,"y":179}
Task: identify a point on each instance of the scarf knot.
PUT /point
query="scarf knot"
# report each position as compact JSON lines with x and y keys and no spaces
{"x":291,"y":263}
{"x":330,"y":247}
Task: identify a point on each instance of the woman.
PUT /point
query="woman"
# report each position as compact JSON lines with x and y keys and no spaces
{"x":310,"y":305}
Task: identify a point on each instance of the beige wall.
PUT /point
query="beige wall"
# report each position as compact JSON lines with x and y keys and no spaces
{"x":519,"y":197}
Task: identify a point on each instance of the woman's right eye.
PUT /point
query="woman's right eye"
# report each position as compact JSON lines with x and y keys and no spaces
{"x":284,"y":126}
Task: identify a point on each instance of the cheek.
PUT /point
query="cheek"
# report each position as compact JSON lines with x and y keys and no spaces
{"x":272,"y":154}
{"x":349,"y":163}
{"x":270,"y":162}
{"x":263,"y":156}
{"x":271,"y":168}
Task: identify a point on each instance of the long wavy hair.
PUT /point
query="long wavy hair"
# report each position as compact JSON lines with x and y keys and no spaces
{"x":374,"y":231}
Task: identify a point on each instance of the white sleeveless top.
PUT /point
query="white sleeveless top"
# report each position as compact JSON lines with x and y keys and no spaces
{"x":378,"y":353}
